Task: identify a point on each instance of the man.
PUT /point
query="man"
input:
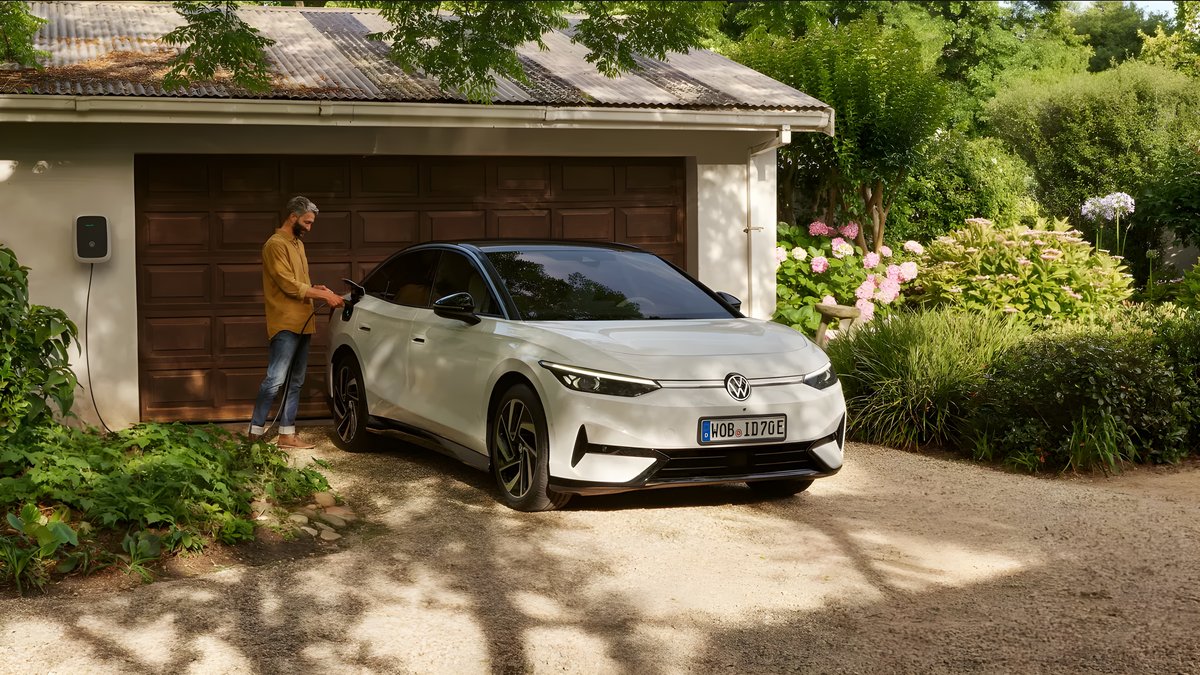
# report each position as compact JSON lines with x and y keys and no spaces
{"x":291,"y":320}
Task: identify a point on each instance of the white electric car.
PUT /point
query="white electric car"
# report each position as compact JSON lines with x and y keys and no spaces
{"x":577,"y":368}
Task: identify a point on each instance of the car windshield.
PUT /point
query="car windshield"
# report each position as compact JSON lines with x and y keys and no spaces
{"x":599,"y":284}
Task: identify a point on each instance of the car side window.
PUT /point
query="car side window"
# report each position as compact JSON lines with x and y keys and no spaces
{"x":404,"y":280}
{"x":456,"y":274}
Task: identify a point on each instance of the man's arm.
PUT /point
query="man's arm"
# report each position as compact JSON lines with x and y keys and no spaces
{"x":275,"y":261}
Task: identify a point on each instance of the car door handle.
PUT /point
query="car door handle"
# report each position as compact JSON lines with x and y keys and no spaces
{"x":364,"y":328}
{"x":419,"y":340}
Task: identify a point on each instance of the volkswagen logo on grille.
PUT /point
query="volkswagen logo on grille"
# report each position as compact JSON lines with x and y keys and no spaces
{"x":737,"y":386}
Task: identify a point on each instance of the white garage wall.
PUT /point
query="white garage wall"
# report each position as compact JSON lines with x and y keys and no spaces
{"x":66,"y":170}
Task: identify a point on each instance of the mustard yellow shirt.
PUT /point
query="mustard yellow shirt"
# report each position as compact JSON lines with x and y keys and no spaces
{"x":285,"y":281}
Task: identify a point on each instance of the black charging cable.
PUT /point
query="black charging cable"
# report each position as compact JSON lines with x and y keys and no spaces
{"x":87,"y":347}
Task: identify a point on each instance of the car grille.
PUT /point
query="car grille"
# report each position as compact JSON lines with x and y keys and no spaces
{"x":729,"y":461}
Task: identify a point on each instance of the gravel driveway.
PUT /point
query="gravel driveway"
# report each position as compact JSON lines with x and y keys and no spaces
{"x":901,"y":563}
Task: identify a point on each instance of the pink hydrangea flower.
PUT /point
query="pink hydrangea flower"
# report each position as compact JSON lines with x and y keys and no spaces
{"x":908,"y":271}
{"x":914,"y":247}
{"x":781,"y":254}
{"x":866,"y":309}
{"x":865,"y":290}
{"x":849,"y":230}
{"x":818,"y":228}
{"x":886,"y":251}
{"x":893,"y":272}
{"x":870,"y":260}
{"x":828,"y":300}
{"x":889,"y":290}
{"x":842,"y":248}
{"x":799,"y":254}
{"x":819,"y":264}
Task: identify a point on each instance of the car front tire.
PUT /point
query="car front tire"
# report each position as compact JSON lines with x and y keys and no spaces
{"x":349,"y":406}
{"x":780,"y":487}
{"x":518,"y":444}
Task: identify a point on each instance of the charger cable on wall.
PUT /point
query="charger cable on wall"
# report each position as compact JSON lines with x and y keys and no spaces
{"x":87,"y":347}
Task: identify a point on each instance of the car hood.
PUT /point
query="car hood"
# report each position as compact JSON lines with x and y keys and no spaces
{"x":690,"y":349}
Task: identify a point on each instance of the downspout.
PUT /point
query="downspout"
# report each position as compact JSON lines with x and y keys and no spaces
{"x":782,"y":138}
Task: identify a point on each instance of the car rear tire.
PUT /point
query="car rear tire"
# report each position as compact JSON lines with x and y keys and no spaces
{"x":349,"y":406}
{"x":518,"y":445}
{"x":780,"y":487}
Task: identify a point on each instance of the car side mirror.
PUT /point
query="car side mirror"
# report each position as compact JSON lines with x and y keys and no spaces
{"x":730,"y":300}
{"x":459,"y":306}
{"x":356,"y":293}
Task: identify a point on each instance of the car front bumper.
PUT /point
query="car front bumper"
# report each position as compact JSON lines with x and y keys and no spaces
{"x":604,"y":444}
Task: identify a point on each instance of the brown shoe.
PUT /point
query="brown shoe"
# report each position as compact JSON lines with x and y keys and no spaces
{"x":293,"y":442}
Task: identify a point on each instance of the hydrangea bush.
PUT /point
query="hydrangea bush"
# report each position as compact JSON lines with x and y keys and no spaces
{"x":821,"y":264}
{"x":1041,"y":275}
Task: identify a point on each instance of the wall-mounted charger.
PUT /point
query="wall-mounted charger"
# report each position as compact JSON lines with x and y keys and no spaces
{"x":92,"y":243}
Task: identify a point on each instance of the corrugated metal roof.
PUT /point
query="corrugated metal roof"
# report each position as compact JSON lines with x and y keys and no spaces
{"x":113,"y":48}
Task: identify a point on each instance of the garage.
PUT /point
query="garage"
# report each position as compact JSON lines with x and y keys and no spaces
{"x":201,"y":221}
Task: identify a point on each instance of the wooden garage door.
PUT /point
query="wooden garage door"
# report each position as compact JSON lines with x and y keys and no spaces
{"x":202,"y":220}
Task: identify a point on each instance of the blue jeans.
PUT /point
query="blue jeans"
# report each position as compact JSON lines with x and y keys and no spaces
{"x":287,"y":349}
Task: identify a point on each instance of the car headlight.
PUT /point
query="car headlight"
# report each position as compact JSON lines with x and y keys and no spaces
{"x":596,"y":382}
{"x":821,"y":379}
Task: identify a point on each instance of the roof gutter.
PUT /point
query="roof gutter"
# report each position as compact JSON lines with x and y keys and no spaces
{"x":138,"y":110}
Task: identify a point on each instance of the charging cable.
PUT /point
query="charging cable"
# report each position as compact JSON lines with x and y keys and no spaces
{"x":87,"y":347}
{"x":287,"y":380}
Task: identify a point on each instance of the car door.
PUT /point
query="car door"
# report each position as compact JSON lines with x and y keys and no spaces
{"x":382,"y":323}
{"x":450,"y":361}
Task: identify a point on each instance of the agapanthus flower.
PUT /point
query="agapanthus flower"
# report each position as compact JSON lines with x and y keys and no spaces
{"x":842,"y":248}
{"x":908,"y":271}
{"x":914,"y":247}
{"x":819,"y":264}
{"x":799,"y":254}
{"x":849,"y":230}
{"x":871,"y":260}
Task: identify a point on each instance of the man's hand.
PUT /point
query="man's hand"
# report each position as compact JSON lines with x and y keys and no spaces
{"x":332,"y":299}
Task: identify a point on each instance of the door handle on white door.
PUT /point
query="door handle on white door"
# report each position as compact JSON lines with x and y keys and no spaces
{"x":419,"y":340}
{"x":364,"y":328}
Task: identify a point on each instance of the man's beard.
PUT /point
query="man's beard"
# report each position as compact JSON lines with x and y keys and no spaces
{"x":298,"y":230}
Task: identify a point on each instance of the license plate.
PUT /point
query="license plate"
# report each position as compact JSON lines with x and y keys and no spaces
{"x":742,"y":429}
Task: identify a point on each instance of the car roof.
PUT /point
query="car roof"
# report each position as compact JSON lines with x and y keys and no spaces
{"x":507,"y":245}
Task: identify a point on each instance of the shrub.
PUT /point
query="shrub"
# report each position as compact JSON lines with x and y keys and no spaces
{"x":909,"y":380}
{"x":35,"y":367}
{"x":1081,"y":397}
{"x":1188,"y":292}
{"x":820,"y":264}
{"x":1041,"y":275}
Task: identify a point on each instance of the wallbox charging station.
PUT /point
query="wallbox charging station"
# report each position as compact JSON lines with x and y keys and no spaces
{"x":92,"y":244}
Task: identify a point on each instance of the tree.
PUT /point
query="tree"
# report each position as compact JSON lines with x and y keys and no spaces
{"x":888,"y":99}
{"x":1114,"y":31}
{"x":17,"y":28}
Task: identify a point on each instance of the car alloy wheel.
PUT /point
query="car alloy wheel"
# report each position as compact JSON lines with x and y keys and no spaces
{"x":519,"y":448}
{"x":349,"y":406}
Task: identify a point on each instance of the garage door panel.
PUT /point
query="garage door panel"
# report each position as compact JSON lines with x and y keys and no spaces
{"x":454,"y":225}
{"x":590,"y":224}
{"x":388,"y":177}
{"x":248,"y":178}
{"x":331,"y":232}
{"x":245,"y":231}
{"x":240,"y":283}
{"x":175,"y":232}
{"x":319,"y":178}
{"x":389,"y":229}
{"x":522,"y":224}
{"x":177,"y":284}
{"x":456,"y":178}
{"x":178,"y":337}
{"x":202,"y":221}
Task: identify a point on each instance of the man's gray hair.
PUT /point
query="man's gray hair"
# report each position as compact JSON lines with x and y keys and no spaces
{"x":301,"y":205}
